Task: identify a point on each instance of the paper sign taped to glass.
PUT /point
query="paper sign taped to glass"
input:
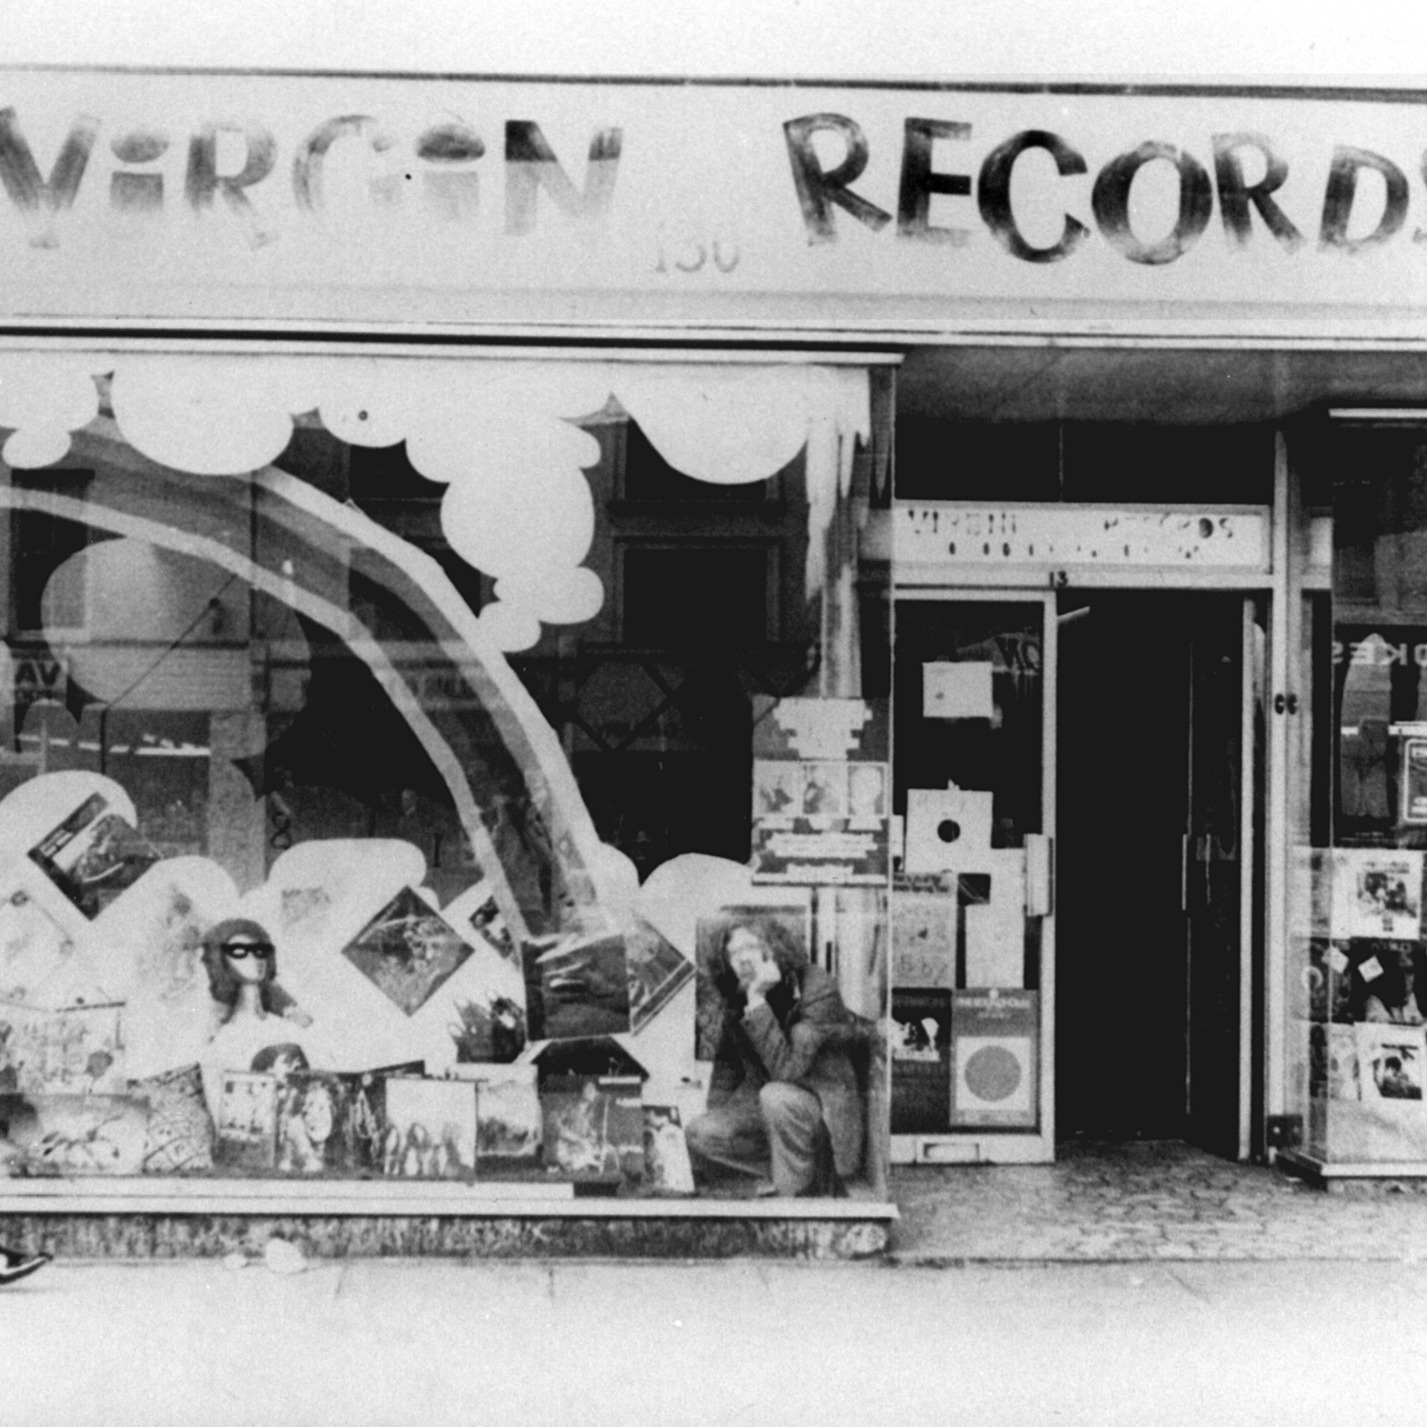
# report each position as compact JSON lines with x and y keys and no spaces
{"x":948,"y":830}
{"x":961,"y":690}
{"x":995,"y":1076}
{"x":822,"y":823}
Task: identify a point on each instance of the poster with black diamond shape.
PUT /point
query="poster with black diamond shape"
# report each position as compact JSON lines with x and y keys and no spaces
{"x":995,"y":1075}
{"x":407,"y":951}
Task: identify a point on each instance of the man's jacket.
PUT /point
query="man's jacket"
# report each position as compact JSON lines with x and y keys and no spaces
{"x":802,"y":1035}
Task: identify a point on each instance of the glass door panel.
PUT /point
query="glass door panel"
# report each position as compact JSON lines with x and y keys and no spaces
{"x":972,"y":736}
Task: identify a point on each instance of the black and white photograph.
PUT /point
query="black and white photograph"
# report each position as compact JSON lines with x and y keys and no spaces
{"x":713,"y":712}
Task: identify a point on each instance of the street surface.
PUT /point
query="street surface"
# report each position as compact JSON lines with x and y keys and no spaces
{"x":580,"y":1344}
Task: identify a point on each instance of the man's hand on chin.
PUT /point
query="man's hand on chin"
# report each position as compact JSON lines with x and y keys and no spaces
{"x":765,"y":978}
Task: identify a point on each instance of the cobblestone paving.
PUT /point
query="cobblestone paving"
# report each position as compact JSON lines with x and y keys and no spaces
{"x":1160,"y":1201}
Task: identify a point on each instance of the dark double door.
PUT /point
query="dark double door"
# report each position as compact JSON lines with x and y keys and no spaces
{"x":1150,"y":861}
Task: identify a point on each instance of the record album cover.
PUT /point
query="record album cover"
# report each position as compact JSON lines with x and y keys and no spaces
{"x":430,"y":1129}
{"x":656,"y":973}
{"x":246,"y":1127}
{"x":93,"y":855}
{"x":667,"y":1168}
{"x":407,"y":951}
{"x":921,"y":1060}
{"x":314,"y":1124}
{"x":509,"y":1123}
{"x":594,"y":1127}
{"x":576,"y":987}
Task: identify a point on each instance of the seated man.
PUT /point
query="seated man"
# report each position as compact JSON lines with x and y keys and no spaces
{"x":783,"y":1102}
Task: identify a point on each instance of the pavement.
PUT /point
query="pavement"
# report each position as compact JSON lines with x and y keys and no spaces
{"x":1149,"y":1201}
{"x":1138,"y":1284}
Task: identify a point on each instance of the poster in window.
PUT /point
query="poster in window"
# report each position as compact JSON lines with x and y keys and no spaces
{"x":93,"y":855}
{"x":995,"y":1077}
{"x":1377,"y":892}
{"x":921,"y":1061}
{"x":820,"y":792}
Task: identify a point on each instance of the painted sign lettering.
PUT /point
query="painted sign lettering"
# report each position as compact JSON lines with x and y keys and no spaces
{"x":821,"y":189}
{"x":258,"y":197}
{"x":446,"y":155}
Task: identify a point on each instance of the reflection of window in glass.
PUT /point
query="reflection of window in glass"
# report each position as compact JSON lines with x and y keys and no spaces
{"x":699,"y":596}
{"x":39,"y":545}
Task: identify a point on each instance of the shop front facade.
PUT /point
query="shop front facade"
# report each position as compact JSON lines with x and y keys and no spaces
{"x":639,"y":652}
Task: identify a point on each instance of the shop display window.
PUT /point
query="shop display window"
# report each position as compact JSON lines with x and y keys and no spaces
{"x":1357,"y":969}
{"x":455,"y":770}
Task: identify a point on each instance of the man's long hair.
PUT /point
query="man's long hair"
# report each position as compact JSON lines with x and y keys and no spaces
{"x":790,"y":957}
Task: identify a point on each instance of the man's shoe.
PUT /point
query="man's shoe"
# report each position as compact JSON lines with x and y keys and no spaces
{"x":15,"y":1266}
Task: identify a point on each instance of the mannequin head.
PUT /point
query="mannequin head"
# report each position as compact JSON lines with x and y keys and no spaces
{"x":238,"y":952}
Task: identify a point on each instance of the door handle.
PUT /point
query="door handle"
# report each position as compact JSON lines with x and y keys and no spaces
{"x":1040,"y":874}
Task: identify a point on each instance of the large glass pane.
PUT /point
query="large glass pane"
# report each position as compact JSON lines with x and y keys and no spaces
{"x":405,"y":803}
{"x":1370,"y":989}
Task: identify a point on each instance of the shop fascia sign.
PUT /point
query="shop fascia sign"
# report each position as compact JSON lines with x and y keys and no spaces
{"x":511,"y":186}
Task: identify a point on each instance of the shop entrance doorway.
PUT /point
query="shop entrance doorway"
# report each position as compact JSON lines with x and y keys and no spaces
{"x":1154,"y":865}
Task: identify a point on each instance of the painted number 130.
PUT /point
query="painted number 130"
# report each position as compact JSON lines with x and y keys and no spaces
{"x":692,"y":255}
